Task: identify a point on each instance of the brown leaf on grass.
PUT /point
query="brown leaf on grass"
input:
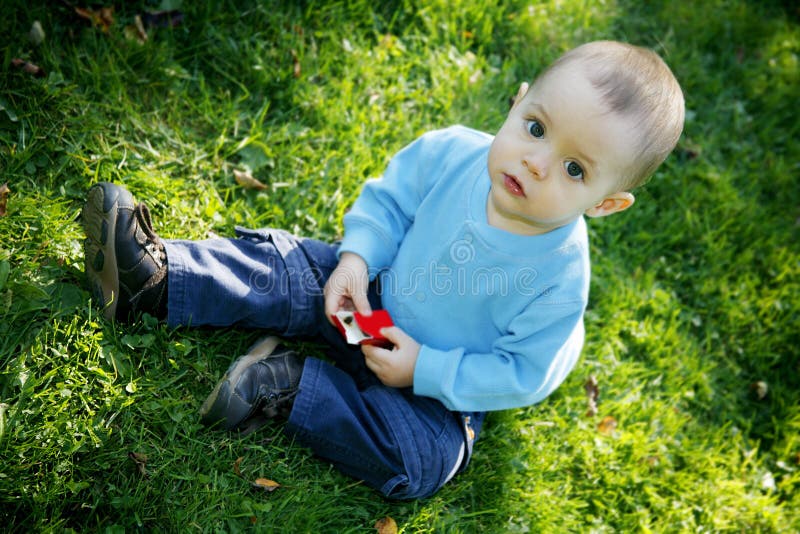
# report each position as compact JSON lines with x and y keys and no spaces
{"x":28,"y":67}
{"x":141,"y":462}
{"x":760,"y":389}
{"x":388,"y":41}
{"x":265,"y":484}
{"x":653,"y":461}
{"x":4,"y":191}
{"x":295,"y":65}
{"x":103,"y":17}
{"x":36,"y":33}
{"x":607,"y":425}
{"x":137,"y":21}
{"x":386,"y":525}
{"x":136,"y":30}
{"x":475,"y":76}
{"x":246,"y":180}
{"x":592,"y":393}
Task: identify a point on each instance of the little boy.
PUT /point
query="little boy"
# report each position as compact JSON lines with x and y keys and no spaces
{"x":476,"y":245}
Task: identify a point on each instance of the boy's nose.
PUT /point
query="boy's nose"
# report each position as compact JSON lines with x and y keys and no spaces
{"x":536,"y":165}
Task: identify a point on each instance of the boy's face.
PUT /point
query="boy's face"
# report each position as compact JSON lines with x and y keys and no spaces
{"x":558,"y":155}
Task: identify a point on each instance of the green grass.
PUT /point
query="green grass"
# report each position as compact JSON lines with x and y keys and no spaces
{"x":694,"y":296}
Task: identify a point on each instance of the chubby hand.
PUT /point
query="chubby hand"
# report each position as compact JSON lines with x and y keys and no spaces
{"x":346,"y":289}
{"x":395,"y":367}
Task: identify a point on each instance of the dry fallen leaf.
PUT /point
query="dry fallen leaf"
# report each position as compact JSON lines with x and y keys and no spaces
{"x":760,"y":388}
{"x":386,"y":525}
{"x":28,"y":67}
{"x":265,"y":484}
{"x":592,"y":393}
{"x":296,"y":65}
{"x":137,"y":21}
{"x":4,"y":191}
{"x":246,"y":180}
{"x":607,"y":425}
{"x":236,"y":464}
{"x":475,"y":76}
{"x":388,"y":41}
{"x":136,"y":31}
{"x":103,"y":17}
{"x":140,"y":460}
{"x":36,"y":33}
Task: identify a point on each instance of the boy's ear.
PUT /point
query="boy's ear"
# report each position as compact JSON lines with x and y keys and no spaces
{"x":613,"y":203}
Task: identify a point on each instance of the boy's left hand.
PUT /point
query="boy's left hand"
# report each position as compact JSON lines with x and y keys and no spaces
{"x":395,"y":367}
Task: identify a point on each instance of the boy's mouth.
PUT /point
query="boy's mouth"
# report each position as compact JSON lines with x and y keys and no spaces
{"x":513,"y":186}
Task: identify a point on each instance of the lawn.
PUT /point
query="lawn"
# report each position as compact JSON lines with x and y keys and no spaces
{"x":693,"y":325}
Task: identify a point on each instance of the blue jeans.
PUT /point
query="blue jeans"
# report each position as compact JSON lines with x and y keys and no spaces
{"x":404,"y":445}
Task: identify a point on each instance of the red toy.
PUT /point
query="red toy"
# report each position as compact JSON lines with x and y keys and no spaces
{"x":364,"y":329}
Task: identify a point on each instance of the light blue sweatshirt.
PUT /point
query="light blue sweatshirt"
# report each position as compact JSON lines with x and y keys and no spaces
{"x":499,"y":315}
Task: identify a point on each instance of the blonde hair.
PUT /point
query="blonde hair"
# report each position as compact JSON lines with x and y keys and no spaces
{"x":634,"y":82}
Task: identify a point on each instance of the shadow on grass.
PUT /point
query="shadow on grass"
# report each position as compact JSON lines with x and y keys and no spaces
{"x":726,"y":221}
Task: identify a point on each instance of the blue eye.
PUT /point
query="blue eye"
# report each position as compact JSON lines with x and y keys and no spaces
{"x":536,"y":129}
{"x":573,"y":170}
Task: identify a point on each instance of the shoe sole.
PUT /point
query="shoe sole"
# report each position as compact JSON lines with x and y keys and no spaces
{"x":99,"y":218}
{"x":221,"y":403}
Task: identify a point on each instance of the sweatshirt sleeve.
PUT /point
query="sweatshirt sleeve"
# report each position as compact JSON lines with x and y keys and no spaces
{"x":385,"y":209}
{"x":524,"y":367}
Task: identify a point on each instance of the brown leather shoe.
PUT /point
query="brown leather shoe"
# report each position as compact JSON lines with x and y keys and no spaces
{"x":125,"y":260}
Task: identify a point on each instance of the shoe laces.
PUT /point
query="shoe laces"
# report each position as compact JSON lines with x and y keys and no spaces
{"x":153,"y":242}
{"x":278,"y":404}
{"x":154,"y":247}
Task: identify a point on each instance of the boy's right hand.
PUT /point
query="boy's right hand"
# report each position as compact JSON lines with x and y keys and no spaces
{"x":347,"y":286}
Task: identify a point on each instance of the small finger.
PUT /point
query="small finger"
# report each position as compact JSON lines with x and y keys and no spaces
{"x":332,"y":305}
{"x":394,"y":334}
{"x":373,"y":364}
{"x":370,"y":351}
{"x":376,"y":353}
{"x":362,"y":304}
